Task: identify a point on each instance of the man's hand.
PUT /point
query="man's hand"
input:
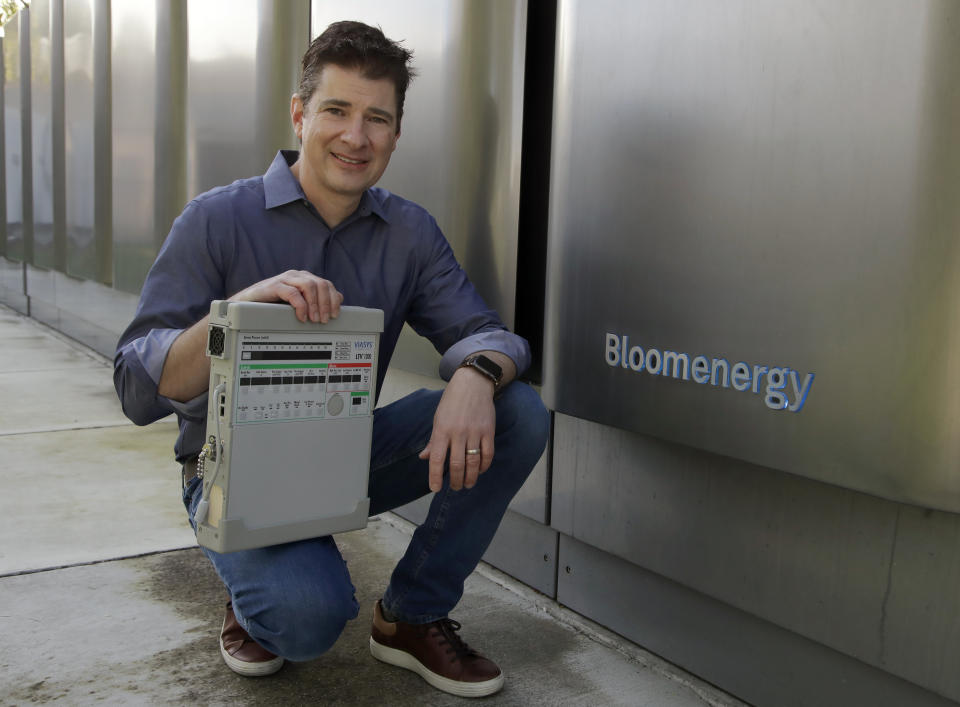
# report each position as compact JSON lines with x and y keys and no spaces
{"x":310,"y":296}
{"x":465,"y":419}
{"x":186,"y":371}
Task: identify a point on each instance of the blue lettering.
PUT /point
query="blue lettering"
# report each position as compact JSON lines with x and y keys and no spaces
{"x":740,"y":377}
{"x":720,"y":363}
{"x":758,"y":372}
{"x":612,"y":351}
{"x":675,"y":358}
{"x":800,"y":392}
{"x":654,"y":365}
{"x":776,"y":399}
{"x":701,"y":370}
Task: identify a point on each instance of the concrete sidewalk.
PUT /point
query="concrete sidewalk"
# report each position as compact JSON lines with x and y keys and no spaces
{"x":105,"y":598}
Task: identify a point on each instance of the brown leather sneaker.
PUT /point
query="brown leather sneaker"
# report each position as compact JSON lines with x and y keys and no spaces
{"x":241,"y":653}
{"x":436,"y":653}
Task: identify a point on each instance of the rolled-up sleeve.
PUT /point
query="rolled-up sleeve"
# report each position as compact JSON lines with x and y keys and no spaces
{"x":177,"y":292}
{"x":502,"y":341}
{"x":137,"y":371}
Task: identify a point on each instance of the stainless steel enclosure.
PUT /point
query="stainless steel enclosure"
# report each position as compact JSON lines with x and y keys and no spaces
{"x":14,"y":114}
{"x":240,"y":78}
{"x":88,"y":244}
{"x":211,"y":106}
{"x":46,"y":132}
{"x":773,"y":184}
{"x":146,"y":167}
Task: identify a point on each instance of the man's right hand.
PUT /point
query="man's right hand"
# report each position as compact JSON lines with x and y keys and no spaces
{"x":311,"y":297}
{"x":186,"y":371}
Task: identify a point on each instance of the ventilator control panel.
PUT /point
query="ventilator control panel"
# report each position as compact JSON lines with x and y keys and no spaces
{"x":288,"y":377}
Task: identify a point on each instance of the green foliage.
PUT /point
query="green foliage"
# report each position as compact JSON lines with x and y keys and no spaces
{"x":9,"y":10}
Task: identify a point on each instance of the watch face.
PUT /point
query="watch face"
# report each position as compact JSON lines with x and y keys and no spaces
{"x":488,"y":367}
{"x":485,"y":366}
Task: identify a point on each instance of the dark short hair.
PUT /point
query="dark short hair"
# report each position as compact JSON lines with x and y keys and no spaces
{"x":354,"y":45}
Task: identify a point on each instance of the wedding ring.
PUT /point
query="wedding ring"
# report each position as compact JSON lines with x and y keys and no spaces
{"x":473,"y":451}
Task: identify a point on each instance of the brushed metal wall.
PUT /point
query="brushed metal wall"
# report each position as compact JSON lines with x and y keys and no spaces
{"x":773,"y":184}
{"x":60,"y":284}
{"x":871,"y":578}
{"x":459,"y":150}
{"x":232,"y":131}
{"x":748,"y":657}
{"x":13,"y":117}
{"x":140,"y":77}
{"x":43,"y":123}
{"x":195,"y":122}
{"x":80,"y":138}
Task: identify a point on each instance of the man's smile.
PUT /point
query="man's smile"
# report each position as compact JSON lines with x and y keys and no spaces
{"x":348,"y":160}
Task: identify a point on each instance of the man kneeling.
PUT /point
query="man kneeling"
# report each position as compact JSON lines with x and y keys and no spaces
{"x":314,"y":232}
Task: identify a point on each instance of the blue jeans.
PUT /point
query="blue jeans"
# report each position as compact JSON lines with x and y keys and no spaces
{"x":294,"y":599}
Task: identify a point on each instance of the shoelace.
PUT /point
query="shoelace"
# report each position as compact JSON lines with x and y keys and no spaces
{"x":448,"y":628}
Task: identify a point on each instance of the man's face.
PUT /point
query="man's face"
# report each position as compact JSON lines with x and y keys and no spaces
{"x":347,"y":131}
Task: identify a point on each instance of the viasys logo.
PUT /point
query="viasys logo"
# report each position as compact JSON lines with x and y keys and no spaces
{"x":363,"y":350}
{"x":741,"y":376}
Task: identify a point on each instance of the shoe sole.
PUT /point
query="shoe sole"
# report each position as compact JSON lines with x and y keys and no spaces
{"x":251,"y":670}
{"x":402,"y":659}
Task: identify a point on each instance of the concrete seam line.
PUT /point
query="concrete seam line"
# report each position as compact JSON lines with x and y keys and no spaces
{"x":78,"y":427}
{"x":88,"y":563}
{"x":66,"y":428}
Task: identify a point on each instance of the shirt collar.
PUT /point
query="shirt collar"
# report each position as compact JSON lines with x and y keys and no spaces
{"x":372,"y":203}
{"x":281,"y":187}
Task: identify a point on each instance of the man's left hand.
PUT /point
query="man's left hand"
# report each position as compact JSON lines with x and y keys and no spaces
{"x":465,"y":421}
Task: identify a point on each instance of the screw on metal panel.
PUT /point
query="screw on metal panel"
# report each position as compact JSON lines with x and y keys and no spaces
{"x":568,"y":569}
{"x":546,"y":557}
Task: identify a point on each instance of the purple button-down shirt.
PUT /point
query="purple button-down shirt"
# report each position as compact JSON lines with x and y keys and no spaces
{"x":389,"y":254}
